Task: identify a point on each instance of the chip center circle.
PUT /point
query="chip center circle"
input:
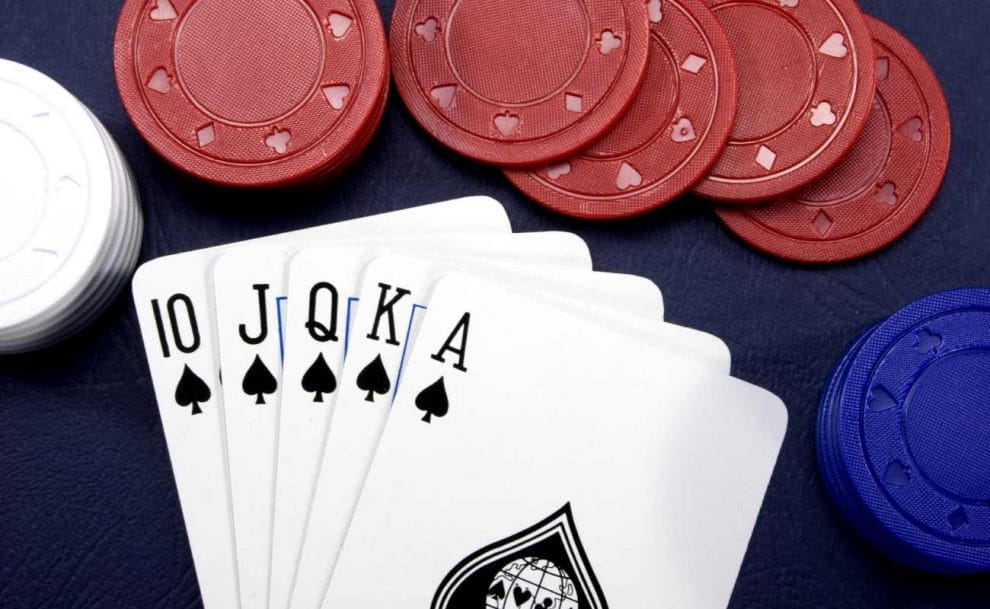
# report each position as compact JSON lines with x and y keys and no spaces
{"x":947,"y":423}
{"x":249,"y":62}
{"x":517,"y":52}
{"x":775,"y":60}
{"x":22,"y":189}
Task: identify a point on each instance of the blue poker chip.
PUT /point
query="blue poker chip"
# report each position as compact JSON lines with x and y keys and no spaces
{"x":904,"y":434}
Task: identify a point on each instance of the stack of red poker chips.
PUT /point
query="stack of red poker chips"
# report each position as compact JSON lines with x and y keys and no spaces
{"x":794,"y":115}
{"x":254,"y":93}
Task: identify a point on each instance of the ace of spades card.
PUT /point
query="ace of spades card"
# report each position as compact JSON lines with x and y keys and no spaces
{"x":557,"y":452}
{"x":173,"y":296}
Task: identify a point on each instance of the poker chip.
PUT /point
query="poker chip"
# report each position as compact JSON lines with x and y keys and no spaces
{"x":518,"y":83}
{"x":668,"y":139}
{"x":882,"y":188}
{"x":902,"y":434}
{"x":806,"y":83}
{"x":71,"y":221}
{"x":253,"y":93}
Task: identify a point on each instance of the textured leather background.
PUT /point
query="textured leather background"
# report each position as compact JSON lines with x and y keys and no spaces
{"x":88,"y":510}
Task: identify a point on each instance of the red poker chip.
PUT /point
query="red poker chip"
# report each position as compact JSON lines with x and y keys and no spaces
{"x":806,"y":82}
{"x":517,"y":82}
{"x":882,"y":188}
{"x":252,"y":93}
{"x":674,"y":131}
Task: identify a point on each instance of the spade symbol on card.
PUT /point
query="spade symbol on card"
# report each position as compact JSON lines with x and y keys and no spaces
{"x":542,"y":567}
{"x":191,"y":391}
{"x":258,"y":381}
{"x":433,"y":401}
{"x":319,"y":379}
{"x":374,"y":379}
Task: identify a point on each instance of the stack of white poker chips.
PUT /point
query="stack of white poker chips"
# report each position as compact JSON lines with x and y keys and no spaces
{"x":70,"y":216}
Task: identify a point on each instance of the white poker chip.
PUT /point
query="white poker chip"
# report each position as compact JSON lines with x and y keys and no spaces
{"x":70,"y":225}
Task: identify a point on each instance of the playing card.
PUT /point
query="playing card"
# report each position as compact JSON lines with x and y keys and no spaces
{"x":249,"y":294}
{"x":537,"y":459}
{"x":174,"y":300}
{"x":372,"y":373}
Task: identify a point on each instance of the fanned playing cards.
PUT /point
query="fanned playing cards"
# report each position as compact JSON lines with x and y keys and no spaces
{"x":424,"y":409}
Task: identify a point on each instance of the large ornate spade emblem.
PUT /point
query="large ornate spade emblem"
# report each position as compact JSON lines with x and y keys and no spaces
{"x":543,"y":567}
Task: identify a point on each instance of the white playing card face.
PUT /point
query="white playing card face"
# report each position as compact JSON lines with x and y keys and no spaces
{"x":533,"y":456}
{"x":362,"y":407}
{"x":174,"y":300}
{"x":324,"y":283}
{"x":249,"y":296}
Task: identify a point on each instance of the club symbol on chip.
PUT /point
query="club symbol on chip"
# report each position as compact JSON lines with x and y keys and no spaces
{"x":559,"y":170}
{"x":433,"y":401}
{"x":683,"y":131}
{"x":542,"y":567}
{"x":627,"y":177}
{"x":608,"y":42}
{"x":163,"y":11}
{"x":822,"y":115}
{"x":834,"y":46}
{"x":192,"y":391}
{"x":339,"y":24}
{"x":428,"y":29}
{"x":279,"y":141}
{"x":160,"y":82}
{"x":655,"y":10}
{"x":336,"y":95}
{"x":444,"y":94}
{"x":887,"y":195}
{"x":506,"y":123}
{"x":927,"y":341}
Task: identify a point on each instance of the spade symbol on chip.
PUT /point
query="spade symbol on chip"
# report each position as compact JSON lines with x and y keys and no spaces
{"x":191,"y":391}
{"x":433,"y":401}
{"x":374,"y":379}
{"x":319,"y":379}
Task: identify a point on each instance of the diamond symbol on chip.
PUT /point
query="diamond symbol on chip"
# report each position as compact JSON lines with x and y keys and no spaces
{"x":573,"y":103}
{"x":608,"y":42}
{"x":555,"y":172}
{"x":834,"y":46}
{"x":279,"y":141}
{"x":428,"y":29}
{"x":823,"y":223}
{"x":655,"y":10}
{"x":765,"y":158}
{"x":683,"y":131}
{"x":163,"y":11}
{"x":880,"y":400}
{"x":160,"y":81}
{"x":444,"y":95}
{"x":822,"y":115}
{"x":958,"y":519}
{"x":206,"y":135}
{"x":339,"y":24}
{"x":336,"y":95}
{"x":693,"y":63}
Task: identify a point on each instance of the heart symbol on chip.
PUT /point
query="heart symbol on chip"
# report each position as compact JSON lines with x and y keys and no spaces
{"x":834,"y":46}
{"x":822,"y":115}
{"x":444,"y":95}
{"x":608,"y":42}
{"x":683,"y":131}
{"x":555,"y":172}
{"x":428,"y":29}
{"x":339,"y":24}
{"x":506,"y":123}
{"x":655,"y":10}
{"x":336,"y":94}
{"x":160,"y":81}
{"x":911,"y":129}
{"x":887,"y":195}
{"x":279,"y":141}
{"x":627,"y":177}
{"x":789,"y":3}
{"x":163,"y":11}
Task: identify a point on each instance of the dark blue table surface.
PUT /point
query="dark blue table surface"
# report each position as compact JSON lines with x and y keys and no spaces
{"x":88,"y":510}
